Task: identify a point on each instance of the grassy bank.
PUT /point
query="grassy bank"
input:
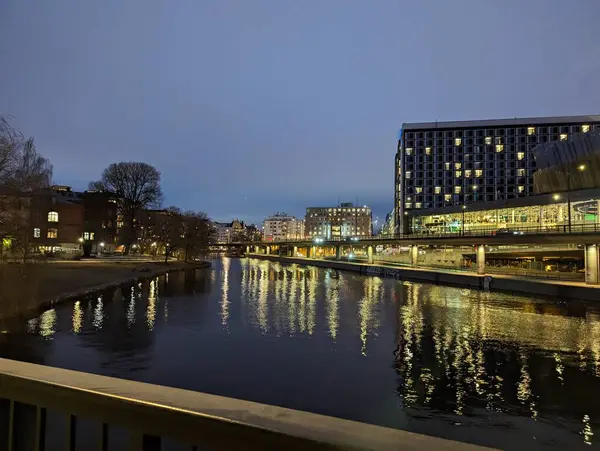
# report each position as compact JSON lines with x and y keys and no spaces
{"x":27,"y":287}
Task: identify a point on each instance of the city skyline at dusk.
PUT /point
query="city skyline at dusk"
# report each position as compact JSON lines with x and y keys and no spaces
{"x":249,"y":109}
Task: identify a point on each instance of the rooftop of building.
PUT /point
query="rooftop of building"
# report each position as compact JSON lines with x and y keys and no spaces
{"x":516,"y":121}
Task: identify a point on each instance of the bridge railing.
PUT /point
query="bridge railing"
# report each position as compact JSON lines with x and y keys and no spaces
{"x":428,"y":234}
{"x":152,"y":413}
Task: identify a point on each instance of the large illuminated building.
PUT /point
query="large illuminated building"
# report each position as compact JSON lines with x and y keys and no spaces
{"x":566,"y":196}
{"x":345,"y":220}
{"x":446,"y":166}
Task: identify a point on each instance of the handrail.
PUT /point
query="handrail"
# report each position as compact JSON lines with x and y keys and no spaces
{"x":188,"y":417}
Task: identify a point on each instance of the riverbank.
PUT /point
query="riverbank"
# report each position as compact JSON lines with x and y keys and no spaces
{"x":493,"y":282}
{"x":28,"y":287}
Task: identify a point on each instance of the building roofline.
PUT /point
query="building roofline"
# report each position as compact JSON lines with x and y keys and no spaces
{"x":500,"y":122}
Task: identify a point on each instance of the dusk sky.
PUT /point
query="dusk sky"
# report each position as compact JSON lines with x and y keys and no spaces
{"x":252,"y":107}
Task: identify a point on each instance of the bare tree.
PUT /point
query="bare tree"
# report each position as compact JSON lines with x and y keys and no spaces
{"x":23,"y":173}
{"x":197,"y":232}
{"x":137,"y":186}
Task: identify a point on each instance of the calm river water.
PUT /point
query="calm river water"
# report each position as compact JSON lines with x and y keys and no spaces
{"x":487,"y":368}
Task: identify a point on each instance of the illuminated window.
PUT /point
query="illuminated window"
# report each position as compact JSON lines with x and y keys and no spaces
{"x":563,"y":136}
{"x":438,"y":189}
{"x":409,"y":151}
{"x":408,"y":174}
{"x":52,"y":217}
{"x":521,"y":188}
{"x":447,"y":197}
{"x":468,"y":173}
{"x":585,"y":128}
{"x":531,"y":130}
{"x":418,"y":205}
{"x":488,"y":140}
{"x":520,"y":172}
{"x":447,"y":166}
{"x":86,"y":235}
{"x":499,"y":148}
{"x":457,"y":165}
{"x":478,"y":172}
{"x":520,"y":155}
{"x":457,"y":174}
{"x":457,"y":189}
{"x":408,"y":205}
{"x":457,"y":141}
{"x":418,"y":190}
{"x":36,"y":233}
{"x":427,"y":150}
{"x":52,"y":233}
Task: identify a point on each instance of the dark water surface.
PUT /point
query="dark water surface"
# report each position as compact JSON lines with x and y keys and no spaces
{"x":487,"y":368}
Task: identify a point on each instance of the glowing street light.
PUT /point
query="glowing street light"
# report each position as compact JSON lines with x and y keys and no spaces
{"x":102,"y":244}
{"x":556,"y":197}
{"x":80,"y":239}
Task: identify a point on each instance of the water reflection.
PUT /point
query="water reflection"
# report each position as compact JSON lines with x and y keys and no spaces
{"x":98,"y":314}
{"x":47,"y":323}
{"x":225,"y":292}
{"x":434,"y":359}
{"x":77,"y":317}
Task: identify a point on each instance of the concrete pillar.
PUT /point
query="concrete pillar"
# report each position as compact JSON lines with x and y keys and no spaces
{"x":598,"y":212}
{"x":414,"y":255}
{"x":267,"y":250}
{"x":295,"y":251}
{"x":313,"y":252}
{"x":370,"y":254}
{"x":338,"y":252}
{"x":247,"y":250}
{"x":592,"y":264}
{"x":480,"y":259}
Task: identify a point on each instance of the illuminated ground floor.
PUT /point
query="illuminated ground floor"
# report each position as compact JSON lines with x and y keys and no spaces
{"x":546,"y":212}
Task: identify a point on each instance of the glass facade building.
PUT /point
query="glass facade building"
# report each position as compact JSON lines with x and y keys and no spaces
{"x":548,"y":212}
{"x":453,"y":164}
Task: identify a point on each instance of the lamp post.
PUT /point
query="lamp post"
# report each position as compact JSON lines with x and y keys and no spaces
{"x":462,"y":225}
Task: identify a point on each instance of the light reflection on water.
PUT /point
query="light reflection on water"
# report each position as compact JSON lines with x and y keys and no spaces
{"x":489,"y":368}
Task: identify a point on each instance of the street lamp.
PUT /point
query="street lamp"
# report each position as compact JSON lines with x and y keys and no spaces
{"x":462,"y":225}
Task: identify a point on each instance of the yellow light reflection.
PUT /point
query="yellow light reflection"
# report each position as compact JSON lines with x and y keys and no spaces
{"x":332,"y":300}
{"x":47,"y":323}
{"x":226,"y":262}
{"x":151,"y":309}
{"x":367,"y":304}
{"x":77,"y":318}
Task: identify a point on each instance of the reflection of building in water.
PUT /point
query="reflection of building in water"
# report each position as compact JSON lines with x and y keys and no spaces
{"x":152,"y":302}
{"x":332,"y":299}
{"x":77,"y":317}
{"x":456,"y":353}
{"x":47,"y":324}
{"x":98,"y":314}
{"x":368,"y":309}
{"x":225,"y":291}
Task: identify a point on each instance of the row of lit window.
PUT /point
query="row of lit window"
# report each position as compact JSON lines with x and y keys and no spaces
{"x":52,"y":233}
{"x":458,"y":190}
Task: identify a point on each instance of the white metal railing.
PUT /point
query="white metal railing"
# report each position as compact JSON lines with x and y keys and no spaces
{"x":152,"y":413}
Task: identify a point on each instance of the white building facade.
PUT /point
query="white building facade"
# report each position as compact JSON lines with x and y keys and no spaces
{"x":281,"y":227}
